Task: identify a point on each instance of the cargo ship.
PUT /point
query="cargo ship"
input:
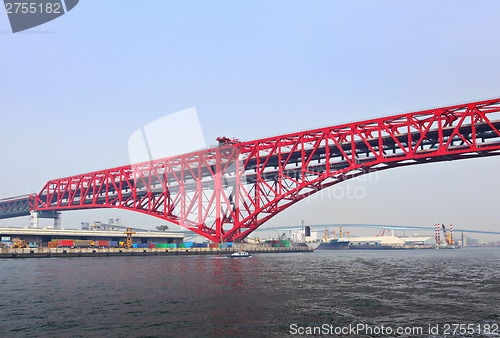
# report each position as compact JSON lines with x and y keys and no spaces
{"x":340,"y":243}
{"x":334,"y":244}
{"x":315,"y":240}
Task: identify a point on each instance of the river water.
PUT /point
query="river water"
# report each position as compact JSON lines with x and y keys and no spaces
{"x":265,"y":295}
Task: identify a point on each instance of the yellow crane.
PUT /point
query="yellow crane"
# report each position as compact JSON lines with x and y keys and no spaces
{"x":328,"y":234}
{"x":344,"y":232}
{"x":129,"y":234}
{"x":447,"y":236}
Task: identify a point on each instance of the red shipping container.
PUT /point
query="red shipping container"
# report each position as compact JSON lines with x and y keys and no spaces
{"x":151,"y":245}
{"x":65,"y":242}
{"x":103,"y":243}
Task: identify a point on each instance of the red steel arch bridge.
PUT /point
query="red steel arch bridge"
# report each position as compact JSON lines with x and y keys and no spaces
{"x":225,"y":193}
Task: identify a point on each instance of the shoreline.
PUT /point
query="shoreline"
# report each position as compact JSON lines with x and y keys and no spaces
{"x":116,"y":252}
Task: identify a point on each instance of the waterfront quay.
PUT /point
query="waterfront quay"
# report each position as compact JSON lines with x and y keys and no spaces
{"x":45,"y":252}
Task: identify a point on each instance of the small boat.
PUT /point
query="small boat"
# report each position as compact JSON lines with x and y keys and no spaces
{"x":239,"y":254}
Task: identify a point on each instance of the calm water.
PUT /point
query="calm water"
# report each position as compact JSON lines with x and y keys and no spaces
{"x":258,"y":296}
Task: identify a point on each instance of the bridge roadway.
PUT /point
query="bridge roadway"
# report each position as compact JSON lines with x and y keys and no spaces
{"x":19,"y":206}
{"x":15,"y":206}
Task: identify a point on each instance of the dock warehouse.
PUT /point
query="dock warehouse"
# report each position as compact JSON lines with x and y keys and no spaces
{"x":47,"y":235}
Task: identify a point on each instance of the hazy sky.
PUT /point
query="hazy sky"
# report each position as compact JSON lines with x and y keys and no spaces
{"x":75,"y":89}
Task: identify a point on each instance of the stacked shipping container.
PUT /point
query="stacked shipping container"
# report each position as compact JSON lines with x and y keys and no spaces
{"x":279,"y":244}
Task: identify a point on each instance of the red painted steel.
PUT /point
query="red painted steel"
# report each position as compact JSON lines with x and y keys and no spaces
{"x":227,"y":192}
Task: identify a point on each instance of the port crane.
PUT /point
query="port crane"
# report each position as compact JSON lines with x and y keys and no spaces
{"x":344,"y":232}
{"x":445,"y":234}
{"x":129,"y":234}
{"x":382,"y":231}
{"x":341,"y":234}
{"x":448,"y":236}
{"x":328,"y":234}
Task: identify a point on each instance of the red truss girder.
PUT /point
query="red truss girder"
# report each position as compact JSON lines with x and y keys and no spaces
{"x":227,"y":192}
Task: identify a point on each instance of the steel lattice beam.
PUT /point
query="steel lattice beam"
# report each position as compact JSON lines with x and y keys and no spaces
{"x":16,"y":206}
{"x":227,"y":192}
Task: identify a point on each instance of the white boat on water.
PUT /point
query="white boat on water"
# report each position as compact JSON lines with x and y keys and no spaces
{"x":239,"y":254}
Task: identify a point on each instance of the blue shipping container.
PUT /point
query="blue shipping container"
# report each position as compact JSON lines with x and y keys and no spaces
{"x":113,"y":243}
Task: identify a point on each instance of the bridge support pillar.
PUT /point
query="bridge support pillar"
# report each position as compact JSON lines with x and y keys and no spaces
{"x":36,"y":215}
{"x":57,"y":221}
{"x":33,"y":220}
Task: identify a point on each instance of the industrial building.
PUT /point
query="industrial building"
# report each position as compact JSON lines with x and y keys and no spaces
{"x":391,"y":240}
{"x":39,"y":236}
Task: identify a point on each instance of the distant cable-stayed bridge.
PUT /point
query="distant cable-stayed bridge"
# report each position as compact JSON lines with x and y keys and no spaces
{"x":225,"y":193}
{"x":374,"y":226}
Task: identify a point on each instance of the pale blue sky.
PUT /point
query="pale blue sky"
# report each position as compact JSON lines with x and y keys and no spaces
{"x":74,"y":90}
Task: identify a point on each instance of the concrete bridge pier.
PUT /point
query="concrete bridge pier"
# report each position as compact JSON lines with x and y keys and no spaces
{"x":57,"y":221}
{"x":33,"y":220}
{"x":36,"y":215}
